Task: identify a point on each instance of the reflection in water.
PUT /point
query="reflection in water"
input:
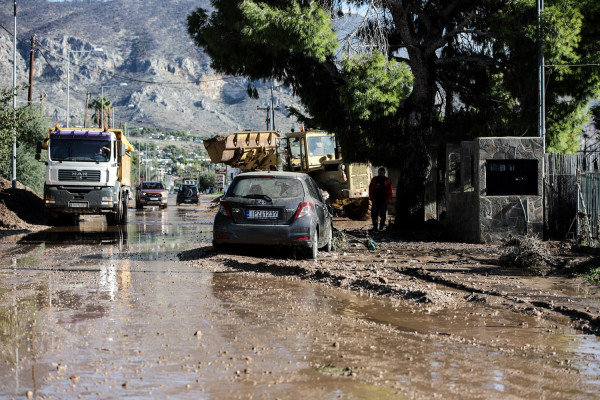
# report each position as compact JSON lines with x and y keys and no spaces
{"x":80,"y":235}
{"x":122,"y":310}
{"x":422,"y":350}
{"x":108,"y":279}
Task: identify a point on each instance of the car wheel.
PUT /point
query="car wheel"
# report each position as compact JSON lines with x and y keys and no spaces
{"x":329,"y":246}
{"x":313,"y":251}
{"x":217,"y":248}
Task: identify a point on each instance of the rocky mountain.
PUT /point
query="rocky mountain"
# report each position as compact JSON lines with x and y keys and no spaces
{"x":148,"y":67}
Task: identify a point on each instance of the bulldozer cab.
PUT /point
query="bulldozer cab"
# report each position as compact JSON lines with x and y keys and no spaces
{"x":308,"y":151}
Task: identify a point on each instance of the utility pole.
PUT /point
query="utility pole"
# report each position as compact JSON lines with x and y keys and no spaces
{"x":268,"y":109}
{"x":14,"y":152}
{"x":30,"y":97}
{"x":87,"y":104}
{"x":270,"y":113}
{"x":273,"y":108}
{"x":541,"y":78}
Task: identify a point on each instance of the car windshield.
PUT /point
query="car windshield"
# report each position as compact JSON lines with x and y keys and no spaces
{"x":274,"y":188}
{"x":152,"y":185}
{"x":80,"y":150}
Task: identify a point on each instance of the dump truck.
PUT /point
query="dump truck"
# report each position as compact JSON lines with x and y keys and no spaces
{"x":312,"y":152}
{"x":87,"y":172}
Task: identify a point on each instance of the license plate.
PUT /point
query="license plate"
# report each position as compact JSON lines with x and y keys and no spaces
{"x":78,"y":205}
{"x":262,"y":214}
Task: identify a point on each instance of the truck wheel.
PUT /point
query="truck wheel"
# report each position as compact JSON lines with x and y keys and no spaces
{"x":358,"y":212}
{"x":124,"y":216}
{"x":114,"y":217}
{"x":71,"y":219}
{"x":53,"y":218}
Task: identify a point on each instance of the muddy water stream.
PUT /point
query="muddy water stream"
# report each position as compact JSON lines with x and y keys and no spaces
{"x":93,"y":312}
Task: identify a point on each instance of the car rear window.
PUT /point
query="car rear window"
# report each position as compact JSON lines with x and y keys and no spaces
{"x":275,"y":188}
{"x":189,"y":187}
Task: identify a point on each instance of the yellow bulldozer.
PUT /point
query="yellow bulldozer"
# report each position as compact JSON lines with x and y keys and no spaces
{"x":313,"y":152}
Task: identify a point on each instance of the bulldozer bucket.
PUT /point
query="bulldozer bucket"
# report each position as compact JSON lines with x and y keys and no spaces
{"x":245,"y":150}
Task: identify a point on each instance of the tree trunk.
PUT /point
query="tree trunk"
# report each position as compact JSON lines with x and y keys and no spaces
{"x":415,"y":166}
{"x":415,"y":161}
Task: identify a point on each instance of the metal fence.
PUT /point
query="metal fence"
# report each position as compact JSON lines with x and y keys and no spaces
{"x":588,"y":207}
{"x":572,"y":205}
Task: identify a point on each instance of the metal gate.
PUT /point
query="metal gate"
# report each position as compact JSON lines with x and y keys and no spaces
{"x":572,"y":190}
{"x":588,"y":207}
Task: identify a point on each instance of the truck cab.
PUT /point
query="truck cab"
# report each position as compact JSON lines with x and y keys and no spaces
{"x":87,"y":172}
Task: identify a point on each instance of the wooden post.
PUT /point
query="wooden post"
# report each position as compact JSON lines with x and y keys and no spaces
{"x":87,"y":104}
{"x":30,"y":95}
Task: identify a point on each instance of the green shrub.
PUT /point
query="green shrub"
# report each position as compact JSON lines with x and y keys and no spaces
{"x":588,"y":270}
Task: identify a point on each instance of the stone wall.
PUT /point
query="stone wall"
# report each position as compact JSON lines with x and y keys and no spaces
{"x":519,"y":212}
{"x":494,"y":187}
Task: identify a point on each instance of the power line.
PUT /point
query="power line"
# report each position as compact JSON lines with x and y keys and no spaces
{"x":571,"y":65}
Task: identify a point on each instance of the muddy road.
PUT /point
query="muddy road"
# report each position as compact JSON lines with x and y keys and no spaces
{"x":150,"y":311}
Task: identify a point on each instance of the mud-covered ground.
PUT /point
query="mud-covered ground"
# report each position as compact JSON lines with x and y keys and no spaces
{"x":431,"y":274}
{"x":151,"y":311}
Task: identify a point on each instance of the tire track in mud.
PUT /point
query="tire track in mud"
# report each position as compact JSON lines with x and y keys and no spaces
{"x":399,"y":280}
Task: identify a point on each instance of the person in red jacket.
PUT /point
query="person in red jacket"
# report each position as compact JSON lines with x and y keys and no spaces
{"x":380,"y":194}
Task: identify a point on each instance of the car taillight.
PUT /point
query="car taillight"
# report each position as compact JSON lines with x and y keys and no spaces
{"x":198,"y":195}
{"x":224,"y":208}
{"x":303,"y":209}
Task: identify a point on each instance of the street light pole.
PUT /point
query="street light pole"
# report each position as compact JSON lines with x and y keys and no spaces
{"x":68,"y":119}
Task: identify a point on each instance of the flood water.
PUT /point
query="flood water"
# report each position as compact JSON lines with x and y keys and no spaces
{"x":99,"y":312}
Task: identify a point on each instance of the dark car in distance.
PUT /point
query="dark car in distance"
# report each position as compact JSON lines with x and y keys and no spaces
{"x":274,"y":208}
{"x":188,"y":194}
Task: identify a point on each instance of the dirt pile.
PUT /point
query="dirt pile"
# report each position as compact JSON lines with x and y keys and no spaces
{"x":20,"y":208}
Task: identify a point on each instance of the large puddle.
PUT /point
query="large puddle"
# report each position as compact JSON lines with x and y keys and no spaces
{"x":112,"y":313}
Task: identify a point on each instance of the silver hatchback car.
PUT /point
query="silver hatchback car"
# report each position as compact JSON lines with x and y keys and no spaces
{"x":274,"y":208}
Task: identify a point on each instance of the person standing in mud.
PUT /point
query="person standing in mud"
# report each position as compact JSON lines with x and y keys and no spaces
{"x":380,"y":194}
